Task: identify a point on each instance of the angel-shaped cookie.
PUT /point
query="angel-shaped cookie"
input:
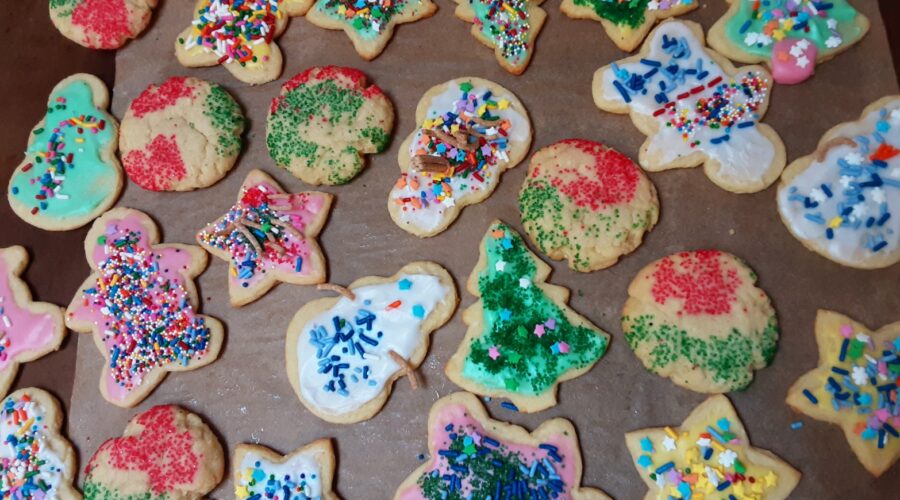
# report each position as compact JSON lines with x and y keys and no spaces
{"x":268,"y":236}
{"x":696,"y":109}
{"x":510,"y":27}
{"x":306,"y":472}
{"x":140,"y":305}
{"x":240,"y":35}
{"x":627,"y":22}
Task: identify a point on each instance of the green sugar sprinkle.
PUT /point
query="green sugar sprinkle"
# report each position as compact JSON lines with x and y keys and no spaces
{"x":227,"y":118}
{"x":630,"y":14}
{"x":97,"y":491}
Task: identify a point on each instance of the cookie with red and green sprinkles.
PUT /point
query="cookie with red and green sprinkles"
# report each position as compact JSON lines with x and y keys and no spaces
{"x":101,"y":24}
{"x":324,"y":122}
{"x":180,"y":135}
{"x":698,"y":319}
{"x":510,"y":27}
{"x":586,"y":203}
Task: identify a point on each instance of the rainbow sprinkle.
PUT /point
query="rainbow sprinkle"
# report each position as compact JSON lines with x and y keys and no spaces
{"x":27,"y":468}
{"x":232,"y":28}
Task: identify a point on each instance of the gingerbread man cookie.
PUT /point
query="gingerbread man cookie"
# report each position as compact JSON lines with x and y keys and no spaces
{"x":307,"y":472}
{"x":140,"y":305}
{"x":510,"y":27}
{"x":627,"y":22}
{"x":268,"y":236}
{"x":696,"y":109}
{"x":101,"y":24}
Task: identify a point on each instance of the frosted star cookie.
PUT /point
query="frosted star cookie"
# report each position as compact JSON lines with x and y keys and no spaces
{"x":523,"y":340}
{"x":855,"y":387}
{"x":28,"y":329}
{"x":344,"y":354}
{"x":181,"y":135}
{"x":586,"y":203}
{"x":325,"y":121}
{"x":240,"y":35}
{"x":369,"y":23}
{"x":709,"y":456}
{"x":627,"y":22}
{"x":698,"y":319}
{"x":70,"y":174}
{"x":36,"y":461}
{"x":510,"y":27}
{"x":696,"y":109}
{"x":470,"y":131}
{"x":140,"y":305}
{"x":101,"y":24}
{"x":268,"y":236}
{"x":474,"y":456}
{"x":843,"y":200}
{"x":790,"y":36}
{"x":165,"y":452}
{"x":307,"y":472}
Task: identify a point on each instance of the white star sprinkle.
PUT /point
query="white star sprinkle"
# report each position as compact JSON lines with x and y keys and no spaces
{"x":859,"y":211}
{"x":845,"y":181}
{"x":878,"y":195}
{"x":859,"y":376}
{"x":831,"y":23}
{"x":727,"y":458}
{"x":449,"y":202}
{"x":797,"y":50}
{"x":803,"y":44}
{"x":818,"y":195}
{"x":703,"y":442}
{"x":854,"y":158}
{"x":754,"y":38}
{"x":669,"y":443}
{"x":500,"y":266}
{"x":524,"y":282}
{"x":653,"y":5}
{"x":803,"y":61}
{"x":833,"y":42}
{"x":712,"y":476}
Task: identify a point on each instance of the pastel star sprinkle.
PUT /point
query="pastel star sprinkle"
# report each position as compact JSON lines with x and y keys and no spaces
{"x":494,"y":352}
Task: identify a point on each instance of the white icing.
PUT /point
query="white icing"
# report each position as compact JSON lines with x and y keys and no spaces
{"x":400,"y":329}
{"x":745,"y":158}
{"x":303,"y":464}
{"x":52,"y":469}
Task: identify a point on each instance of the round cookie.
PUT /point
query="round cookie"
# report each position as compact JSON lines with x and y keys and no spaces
{"x":181,"y":135}
{"x":101,"y":24}
{"x":697,"y":318}
{"x":586,"y":203}
{"x":323,"y":123}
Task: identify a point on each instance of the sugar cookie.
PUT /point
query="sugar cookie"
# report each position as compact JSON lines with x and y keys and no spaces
{"x":101,"y":24}
{"x":627,"y":22}
{"x":307,"y":472}
{"x":510,"y":27}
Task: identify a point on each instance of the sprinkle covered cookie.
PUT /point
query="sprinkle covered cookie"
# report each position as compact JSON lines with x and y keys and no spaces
{"x":181,"y":135}
{"x":586,"y":203}
{"x":101,"y":24}
{"x":140,"y":305}
{"x":523,"y":340}
{"x":470,"y":131}
{"x":70,"y":173}
{"x":344,"y":354}
{"x":268,"y":236}
{"x":843,"y":201}
{"x":28,"y":329}
{"x":240,"y":35}
{"x":627,"y":22}
{"x":709,"y":456}
{"x":36,"y":461}
{"x":165,"y":452}
{"x":325,"y":121}
{"x":510,"y":27}
{"x":696,"y":109}
{"x":790,"y":36}
{"x":474,"y":456}
{"x":369,"y":23}
{"x":698,"y":319}
{"x":855,"y":387}
{"x":305,"y":473}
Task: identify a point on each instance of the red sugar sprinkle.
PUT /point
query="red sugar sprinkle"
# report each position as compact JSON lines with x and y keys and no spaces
{"x":352,"y":78}
{"x":157,"y":171}
{"x":156,"y":98}
{"x":613,"y":181}
{"x":698,"y":280}
{"x":105,"y":19}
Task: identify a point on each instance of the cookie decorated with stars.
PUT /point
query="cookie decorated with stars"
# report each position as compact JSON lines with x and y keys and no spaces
{"x":698,"y":318}
{"x":475,"y":456}
{"x":510,"y":27}
{"x":709,"y":456}
{"x":855,"y":387}
{"x":627,"y":22}
{"x":307,"y":472}
{"x":695,"y":108}
{"x":843,"y":200}
{"x":369,"y":23}
{"x":101,"y":24}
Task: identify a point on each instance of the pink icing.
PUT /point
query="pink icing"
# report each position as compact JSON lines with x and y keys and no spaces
{"x":793,"y":60}
{"x":26,"y":331}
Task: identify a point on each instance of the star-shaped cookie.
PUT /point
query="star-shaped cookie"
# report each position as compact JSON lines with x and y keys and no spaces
{"x":308,"y":471}
{"x":627,"y":22}
{"x":268,"y":236}
{"x":855,"y":386}
{"x":709,"y":455}
{"x":28,"y":329}
{"x":240,"y":35}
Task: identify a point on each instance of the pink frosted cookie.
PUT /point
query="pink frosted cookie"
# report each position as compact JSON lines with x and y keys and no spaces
{"x":28,"y":330}
{"x":101,"y":24}
{"x":141,"y":306}
{"x":268,"y":236}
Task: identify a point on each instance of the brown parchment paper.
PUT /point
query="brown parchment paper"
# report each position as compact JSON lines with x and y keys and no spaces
{"x":246,"y":396}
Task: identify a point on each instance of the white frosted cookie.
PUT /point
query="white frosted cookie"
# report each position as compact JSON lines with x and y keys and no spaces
{"x":344,"y":354}
{"x":627,"y":22}
{"x":510,"y":27}
{"x":181,"y":135}
{"x":698,"y":318}
{"x":140,"y":306}
{"x":240,"y":35}
{"x":696,"y":109}
{"x":586,"y":203}
{"x":101,"y":24}
{"x":70,"y":174}
{"x":843,"y":200}
{"x":307,"y":472}
{"x":469,"y":450}
{"x":469,"y":132}
{"x":712,"y":448}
